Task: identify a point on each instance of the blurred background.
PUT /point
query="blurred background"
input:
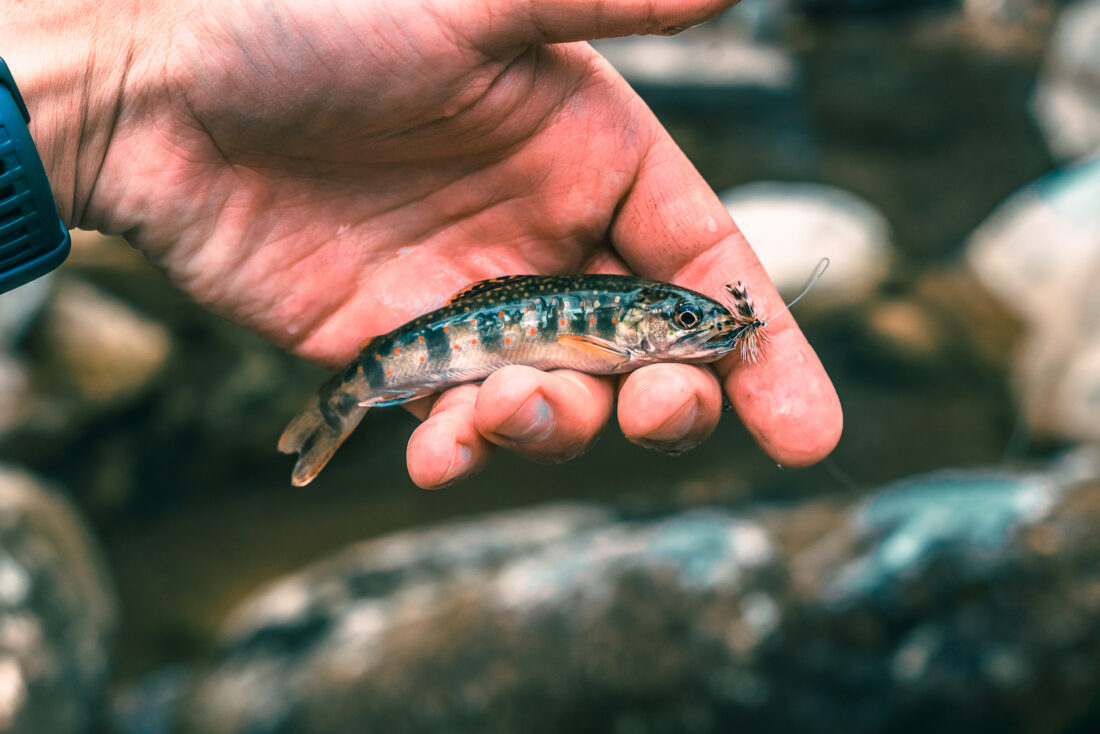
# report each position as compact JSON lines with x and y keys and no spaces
{"x":158,"y":574}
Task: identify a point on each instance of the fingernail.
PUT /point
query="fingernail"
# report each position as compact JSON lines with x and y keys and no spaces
{"x":531,"y":423}
{"x":461,"y":458}
{"x":679,"y":424}
{"x":673,"y":436}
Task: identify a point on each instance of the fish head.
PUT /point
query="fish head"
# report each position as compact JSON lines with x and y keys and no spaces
{"x":685,"y":326}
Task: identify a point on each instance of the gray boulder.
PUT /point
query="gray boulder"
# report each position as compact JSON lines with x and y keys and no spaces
{"x":1067,"y":99}
{"x":791,"y":226}
{"x":57,"y":613}
{"x":946,"y":602}
{"x":1039,"y":254}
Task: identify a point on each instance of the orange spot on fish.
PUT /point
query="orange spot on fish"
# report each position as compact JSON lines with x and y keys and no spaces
{"x":532,"y":331}
{"x":360,"y":369}
{"x":446,"y":328}
{"x":501,"y":314}
{"x":582,"y":304}
{"x":526,"y":310}
{"x":591,"y":321}
{"x":473,"y":341}
{"x":389,"y":373}
{"x":378,"y":357}
{"x":613,"y":319}
{"x":422,"y":358}
{"x":473,"y":322}
{"x":457,"y":347}
{"x":397,"y":350}
{"x":420,"y":338}
{"x":562,"y":322}
{"x":507,"y":340}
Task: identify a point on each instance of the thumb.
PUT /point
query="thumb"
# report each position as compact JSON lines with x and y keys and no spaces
{"x":562,"y":21}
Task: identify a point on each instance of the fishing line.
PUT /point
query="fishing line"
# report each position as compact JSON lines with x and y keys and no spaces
{"x":819,"y":270}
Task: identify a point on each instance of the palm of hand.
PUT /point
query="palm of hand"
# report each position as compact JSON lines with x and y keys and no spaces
{"x":459,"y":165}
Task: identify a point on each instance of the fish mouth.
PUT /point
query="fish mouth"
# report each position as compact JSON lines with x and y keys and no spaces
{"x":724,"y":340}
{"x":712,"y":339}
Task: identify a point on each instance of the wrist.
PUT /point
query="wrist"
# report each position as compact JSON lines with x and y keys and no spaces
{"x":71,"y":70}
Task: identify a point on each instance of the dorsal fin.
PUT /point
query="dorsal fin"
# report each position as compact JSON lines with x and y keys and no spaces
{"x":484,"y":286}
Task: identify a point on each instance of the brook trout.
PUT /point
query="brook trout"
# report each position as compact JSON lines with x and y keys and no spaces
{"x":600,"y":324}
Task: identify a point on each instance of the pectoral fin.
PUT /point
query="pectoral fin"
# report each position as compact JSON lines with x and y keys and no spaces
{"x":609,"y":351}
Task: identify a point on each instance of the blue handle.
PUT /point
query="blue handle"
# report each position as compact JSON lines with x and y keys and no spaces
{"x":33,"y":239}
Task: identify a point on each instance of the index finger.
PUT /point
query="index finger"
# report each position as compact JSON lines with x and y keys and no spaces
{"x":671,"y":226}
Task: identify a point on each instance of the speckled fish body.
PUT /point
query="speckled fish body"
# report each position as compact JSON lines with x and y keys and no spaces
{"x":600,"y":324}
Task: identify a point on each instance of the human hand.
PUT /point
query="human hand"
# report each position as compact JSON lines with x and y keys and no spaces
{"x":325,"y":172}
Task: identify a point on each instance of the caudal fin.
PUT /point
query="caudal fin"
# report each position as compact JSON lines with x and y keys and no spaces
{"x":315,"y":440}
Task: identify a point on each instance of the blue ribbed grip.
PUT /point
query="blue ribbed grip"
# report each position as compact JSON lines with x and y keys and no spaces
{"x":33,"y":239}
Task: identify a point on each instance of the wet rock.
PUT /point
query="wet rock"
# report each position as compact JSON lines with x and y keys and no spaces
{"x":1039,"y":254}
{"x":15,"y":398}
{"x":791,"y":226}
{"x":700,"y":61}
{"x":946,"y":601}
{"x":97,"y":350}
{"x":56,"y":612}
{"x":1067,"y":98}
{"x":18,"y":307}
{"x":731,"y":74}
{"x":944,"y":321}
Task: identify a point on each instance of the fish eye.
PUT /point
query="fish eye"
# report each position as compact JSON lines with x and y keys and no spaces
{"x":687,"y":317}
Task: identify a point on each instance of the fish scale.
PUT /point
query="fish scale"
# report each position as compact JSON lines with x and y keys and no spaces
{"x":601,"y":324}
